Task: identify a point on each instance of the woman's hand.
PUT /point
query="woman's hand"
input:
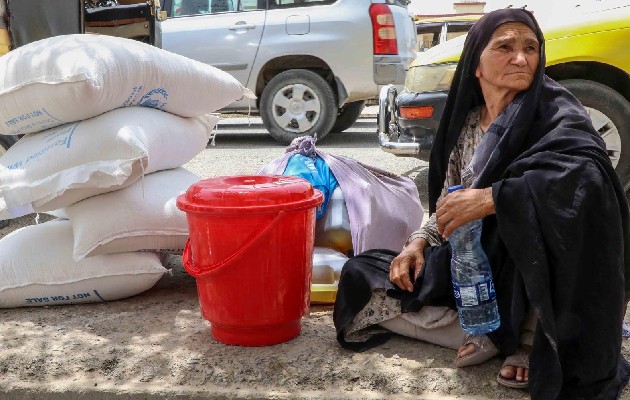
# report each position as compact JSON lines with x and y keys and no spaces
{"x":462,"y":206}
{"x":410,"y":259}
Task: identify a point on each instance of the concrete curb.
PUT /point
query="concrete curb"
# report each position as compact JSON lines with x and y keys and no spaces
{"x":230,"y":118}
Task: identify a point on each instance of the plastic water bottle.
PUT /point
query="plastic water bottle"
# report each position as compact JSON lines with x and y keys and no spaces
{"x":472,"y":279}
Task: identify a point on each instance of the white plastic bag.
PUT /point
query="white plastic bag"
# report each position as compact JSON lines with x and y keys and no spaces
{"x":36,"y":269}
{"x":142,"y":216}
{"x":56,"y":168}
{"x":383,"y":208}
{"x":69,"y":78}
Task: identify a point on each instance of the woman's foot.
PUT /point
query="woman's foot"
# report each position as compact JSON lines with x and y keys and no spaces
{"x":475,"y":350}
{"x":515,"y":370}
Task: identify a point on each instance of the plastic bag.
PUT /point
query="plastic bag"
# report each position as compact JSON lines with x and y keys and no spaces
{"x":383,"y":208}
{"x":316,"y":171}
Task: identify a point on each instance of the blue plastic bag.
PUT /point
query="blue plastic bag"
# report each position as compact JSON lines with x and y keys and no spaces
{"x":317,"y":173}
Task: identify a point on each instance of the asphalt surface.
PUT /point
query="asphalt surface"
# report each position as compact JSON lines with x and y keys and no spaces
{"x":242,"y":145}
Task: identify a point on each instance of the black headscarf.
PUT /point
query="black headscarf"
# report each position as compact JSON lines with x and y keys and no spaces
{"x":465,"y":94}
{"x":559,"y":241}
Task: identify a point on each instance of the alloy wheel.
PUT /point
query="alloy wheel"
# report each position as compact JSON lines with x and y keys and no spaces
{"x":296,"y":108}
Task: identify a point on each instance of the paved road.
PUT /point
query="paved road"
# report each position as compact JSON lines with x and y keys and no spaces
{"x":242,"y":146}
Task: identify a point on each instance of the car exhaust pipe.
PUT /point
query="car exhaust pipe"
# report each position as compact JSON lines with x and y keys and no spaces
{"x":387,"y":111}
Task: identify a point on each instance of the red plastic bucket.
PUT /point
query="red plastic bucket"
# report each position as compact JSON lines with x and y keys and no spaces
{"x":250,"y":250}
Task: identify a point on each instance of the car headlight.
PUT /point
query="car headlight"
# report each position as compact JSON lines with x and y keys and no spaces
{"x":430,"y":78}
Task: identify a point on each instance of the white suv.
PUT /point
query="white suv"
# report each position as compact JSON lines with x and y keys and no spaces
{"x":312,"y":63}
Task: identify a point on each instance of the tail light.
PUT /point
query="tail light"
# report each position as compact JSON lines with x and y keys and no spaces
{"x":383,"y":29}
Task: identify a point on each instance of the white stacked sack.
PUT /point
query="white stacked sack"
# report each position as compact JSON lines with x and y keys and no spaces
{"x":141,"y":217}
{"x":108,"y":123}
{"x":37,"y":269}
{"x":56,"y":168}
{"x":70,"y":78}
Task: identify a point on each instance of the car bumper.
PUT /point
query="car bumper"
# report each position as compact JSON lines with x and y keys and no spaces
{"x":390,"y":70}
{"x":408,"y":137}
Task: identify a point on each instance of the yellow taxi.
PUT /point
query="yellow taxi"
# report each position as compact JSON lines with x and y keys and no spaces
{"x":587,"y":52}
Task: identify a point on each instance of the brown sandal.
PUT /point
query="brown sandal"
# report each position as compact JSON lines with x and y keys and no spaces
{"x":518,"y":359}
{"x":484,"y":351}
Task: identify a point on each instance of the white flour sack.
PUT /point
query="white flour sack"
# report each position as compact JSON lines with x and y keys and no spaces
{"x":69,"y":78}
{"x":142,"y":216}
{"x":58,"y":167}
{"x":49,"y":276}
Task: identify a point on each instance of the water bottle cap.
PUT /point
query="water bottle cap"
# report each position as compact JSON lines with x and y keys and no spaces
{"x":454,"y":188}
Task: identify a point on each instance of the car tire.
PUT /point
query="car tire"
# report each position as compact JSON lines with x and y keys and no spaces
{"x":297,"y":103}
{"x":610,"y":113}
{"x":348,"y":115}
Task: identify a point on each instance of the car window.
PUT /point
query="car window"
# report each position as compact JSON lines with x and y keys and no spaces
{"x":251,"y":5}
{"x":454,"y":30}
{"x":297,"y":3}
{"x":194,"y":7}
{"x":428,"y":35}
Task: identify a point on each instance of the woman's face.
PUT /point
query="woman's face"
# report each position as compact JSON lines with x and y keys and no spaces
{"x":509,"y":61}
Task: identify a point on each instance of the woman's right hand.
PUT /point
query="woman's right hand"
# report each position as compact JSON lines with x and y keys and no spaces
{"x":410,"y":260}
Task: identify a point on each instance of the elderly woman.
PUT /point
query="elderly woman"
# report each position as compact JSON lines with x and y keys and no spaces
{"x":555,"y":228}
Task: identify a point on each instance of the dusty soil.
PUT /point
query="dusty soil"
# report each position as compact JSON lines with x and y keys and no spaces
{"x":158,"y":345}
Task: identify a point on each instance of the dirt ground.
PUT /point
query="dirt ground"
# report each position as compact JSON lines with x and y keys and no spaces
{"x":157,"y":346}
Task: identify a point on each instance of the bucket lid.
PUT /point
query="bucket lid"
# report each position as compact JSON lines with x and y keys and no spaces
{"x":249,"y":193}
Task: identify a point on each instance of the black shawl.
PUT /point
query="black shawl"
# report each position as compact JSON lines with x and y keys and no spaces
{"x":559,"y":239}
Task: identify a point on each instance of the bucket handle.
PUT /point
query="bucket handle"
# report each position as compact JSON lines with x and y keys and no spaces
{"x":197,"y":273}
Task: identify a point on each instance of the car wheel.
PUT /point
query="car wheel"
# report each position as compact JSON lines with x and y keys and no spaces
{"x":297,"y":103}
{"x":610,"y":114}
{"x":348,"y":115}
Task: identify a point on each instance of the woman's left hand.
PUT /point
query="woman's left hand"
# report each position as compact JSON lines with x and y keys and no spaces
{"x":462,"y":206}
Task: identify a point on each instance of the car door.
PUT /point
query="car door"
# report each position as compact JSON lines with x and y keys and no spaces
{"x":223,"y":33}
